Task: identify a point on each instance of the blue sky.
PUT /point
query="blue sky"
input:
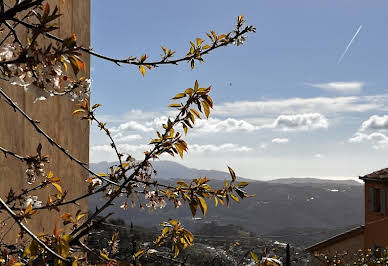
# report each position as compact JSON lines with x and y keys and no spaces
{"x":284,"y":107}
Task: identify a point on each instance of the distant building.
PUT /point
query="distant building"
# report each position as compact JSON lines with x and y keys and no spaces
{"x":371,"y":235}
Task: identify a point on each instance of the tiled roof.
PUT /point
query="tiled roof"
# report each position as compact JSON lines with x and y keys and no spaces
{"x":377,"y":175}
{"x":351,"y":233}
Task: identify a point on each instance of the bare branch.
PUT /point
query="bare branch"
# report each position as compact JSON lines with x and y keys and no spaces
{"x":33,"y":236}
{"x":49,"y":139}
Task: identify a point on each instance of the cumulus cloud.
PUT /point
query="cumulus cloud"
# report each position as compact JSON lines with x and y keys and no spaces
{"x":321,"y":105}
{"x":280,"y":140}
{"x":132,"y":126}
{"x":341,"y":87}
{"x":375,"y":122}
{"x":378,"y":139}
{"x":120,"y":137}
{"x":227,"y":147}
{"x":213,"y":125}
{"x":127,"y":148}
{"x":100,"y":153}
{"x":301,"y":121}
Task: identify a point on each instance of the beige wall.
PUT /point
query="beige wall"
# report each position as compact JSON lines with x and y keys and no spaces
{"x":55,"y":116}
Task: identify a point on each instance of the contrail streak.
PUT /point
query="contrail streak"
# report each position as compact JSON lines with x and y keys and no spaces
{"x":349,"y":44}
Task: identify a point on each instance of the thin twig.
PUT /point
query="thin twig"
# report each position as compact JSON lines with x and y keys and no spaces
{"x":7,"y":152}
{"x":24,"y":228}
{"x":132,"y":62}
{"x":50,"y":140}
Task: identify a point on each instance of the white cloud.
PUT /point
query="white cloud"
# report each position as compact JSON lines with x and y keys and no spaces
{"x":227,"y":147}
{"x":301,"y":121}
{"x":122,"y":148}
{"x":342,"y":87}
{"x":321,"y":105}
{"x":131,"y":126}
{"x":318,"y":155}
{"x":213,"y":125}
{"x":375,"y":122}
{"x":100,"y":153}
{"x":120,"y":138}
{"x":280,"y":140}
{"x":378,"y":139}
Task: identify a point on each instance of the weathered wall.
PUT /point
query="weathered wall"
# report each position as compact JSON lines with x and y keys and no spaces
{"x":375,"y":223}
{"x":55,"y":116}
{"x":350,"y":245}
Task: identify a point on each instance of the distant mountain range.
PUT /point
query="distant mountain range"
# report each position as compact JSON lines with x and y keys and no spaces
{"x":279,"y":205}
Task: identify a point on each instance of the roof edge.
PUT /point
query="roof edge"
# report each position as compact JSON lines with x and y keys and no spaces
{"x":352,"y":232}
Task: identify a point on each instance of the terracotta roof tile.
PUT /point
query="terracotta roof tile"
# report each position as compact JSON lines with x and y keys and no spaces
{"x":380,"y":175}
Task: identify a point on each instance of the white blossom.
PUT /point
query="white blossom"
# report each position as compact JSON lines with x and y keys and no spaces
{"x":33,"y":200}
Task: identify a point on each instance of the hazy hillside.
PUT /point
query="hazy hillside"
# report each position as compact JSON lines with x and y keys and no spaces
{"x":304,"y":181}
{"x":172,"y":170}
{"x":276,"y":207}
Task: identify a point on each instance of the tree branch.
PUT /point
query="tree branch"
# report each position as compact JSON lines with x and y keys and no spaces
{"x":49,"y":139}
{"x":33,"y":236}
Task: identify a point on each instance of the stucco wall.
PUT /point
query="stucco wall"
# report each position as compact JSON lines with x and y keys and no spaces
{"x":351,"y":245}
{"x":375,"y":223}
{"x":55,"y":116}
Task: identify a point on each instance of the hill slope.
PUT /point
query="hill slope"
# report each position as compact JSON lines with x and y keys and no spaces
{"x":276,"y":207}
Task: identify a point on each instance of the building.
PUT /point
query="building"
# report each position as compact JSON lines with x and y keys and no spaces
{"x":371,"y":235}
{"x":55,"y":118}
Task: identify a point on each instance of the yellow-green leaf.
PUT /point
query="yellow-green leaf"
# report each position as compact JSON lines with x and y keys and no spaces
{"x":196,"y":85}
{"x":174,"y":105}
{"x":139,"y":253}
{"x":206,"y":109}
{"x":195,"y":112}
{"x":178,"y":96}
{"x":79,"y":217}
{"x":203,"y":205}
{"x":242,"y":184}
{"x":50,"y":174}
{"x":236,"y":199}
{"x":103,"y":255}
{"x":142,"y":70}
{"x":58,"y":187}
{"x":28,"y":209}
{"x":254,"y":256}
{"x":232,"y":174}
{"x":199,"y":41}
{"x":78,"y":111}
